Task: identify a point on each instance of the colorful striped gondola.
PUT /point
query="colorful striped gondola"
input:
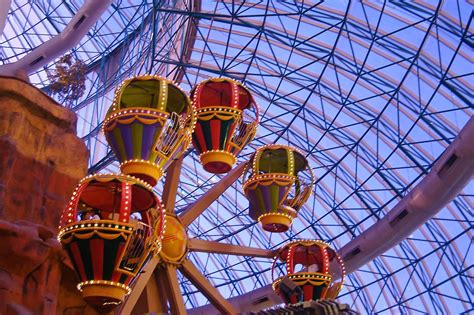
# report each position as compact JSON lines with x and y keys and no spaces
{"x":148,"y":125}
{"x":227,"y":119}
{"x":277,"y":183}
{"x":320,"y":267}
{"x":110,"y":230}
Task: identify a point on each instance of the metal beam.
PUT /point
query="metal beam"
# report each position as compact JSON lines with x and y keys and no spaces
{"x":157,"y":297}
{"x":210,"y":292}
{"x":205,"y":246}
{"x":140,"y":284}
{"x":195,"y":209}
{"x":170,"y":187}
{"x":171,"y":285}
{"x":77,"y":28}
{"x":4,"y":8}
{"x":453,"y":170}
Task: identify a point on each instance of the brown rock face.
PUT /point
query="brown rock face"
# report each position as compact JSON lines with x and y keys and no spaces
{"x":41,"y":158}
{"x":41,"y":161}
{"x":29,"y":270}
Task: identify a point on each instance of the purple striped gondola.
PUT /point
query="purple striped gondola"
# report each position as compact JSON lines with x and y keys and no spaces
{"x":277,"y":182}
{"x":148,"y":126}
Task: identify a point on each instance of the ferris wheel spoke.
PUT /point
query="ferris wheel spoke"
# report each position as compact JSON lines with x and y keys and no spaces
{"x":196,"y":208}
{"x":190,"y":271}
{"x":171,"y":286}
{"x":170,"y":187}
{"x":230,"y":249}
{"x":157,"y":296}
{"x":139,"y":286}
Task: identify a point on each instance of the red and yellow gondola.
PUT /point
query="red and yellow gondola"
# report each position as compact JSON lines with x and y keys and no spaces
{"x":110,"y":229}
{"x":227,"y":119}
{"x":313,"y":271}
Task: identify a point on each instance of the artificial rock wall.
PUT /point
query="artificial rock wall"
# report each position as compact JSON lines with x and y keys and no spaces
{"x":41,"y":161}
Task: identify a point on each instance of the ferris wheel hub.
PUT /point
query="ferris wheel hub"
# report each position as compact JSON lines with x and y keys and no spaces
{"x":175,"y":241}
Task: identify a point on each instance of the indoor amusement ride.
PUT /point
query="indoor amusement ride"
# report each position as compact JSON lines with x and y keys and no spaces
{"x":364,"y":141}
{"x":115,"y":227}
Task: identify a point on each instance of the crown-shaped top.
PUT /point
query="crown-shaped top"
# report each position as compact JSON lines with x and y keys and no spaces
{"x":112,"y":196}
{"x":153,"y":92}
{"x":276,"y":158}
{"x":223,"y":92}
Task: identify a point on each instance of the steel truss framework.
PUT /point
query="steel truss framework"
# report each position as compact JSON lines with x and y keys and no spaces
{"x":373,"y":92}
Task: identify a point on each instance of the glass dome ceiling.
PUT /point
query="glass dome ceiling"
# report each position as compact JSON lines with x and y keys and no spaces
{"x":372,"y":92}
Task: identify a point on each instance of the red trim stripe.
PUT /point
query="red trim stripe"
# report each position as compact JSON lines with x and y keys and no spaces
{"x":125,"y":202}
{"x":128,"y":280}
{"x":200,"y":137}
{"x":308,"y":292}
{"x":215,"y":133}
{"x":78,"y":260}
{"x":116,"y":275}
{"x":97,"y":252}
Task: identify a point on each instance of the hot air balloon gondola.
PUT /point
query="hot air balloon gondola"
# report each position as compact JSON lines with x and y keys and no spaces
{"x":110,"y":229}
{"x":148,"y":125}
{"x":277,"y":182}
{"x":312,"y":268}
{"x":227,"y":119}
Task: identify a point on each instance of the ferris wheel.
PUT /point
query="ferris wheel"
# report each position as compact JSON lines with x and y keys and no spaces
{"x":121,"y":238}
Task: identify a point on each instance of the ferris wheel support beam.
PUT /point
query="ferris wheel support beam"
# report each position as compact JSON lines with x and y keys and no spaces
{"x":196,"y":208}
{"x":162,"y":298}
{"x":210,"y":292}
{"x":170,"y":188}
{"x":171,"y":287}
{"x":76,"y":29}
{"x":205,"y":246}
{"x":147,"y":273}
{"x":156,"y":297}
{"x":153,"y":299}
